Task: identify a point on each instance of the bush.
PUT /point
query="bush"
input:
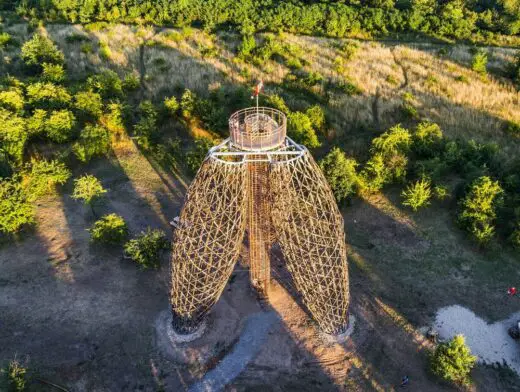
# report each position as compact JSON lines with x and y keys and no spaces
{"x":317,"y":116}
{"x":42,"y":177}
{"x":16,"y":377}
{"x":131,"y":82}
{"x":36,"y":123}
{"x":15,"y":209}
{"x":13,"y":135}
{"x":146,"y":130}
{"x":110,"y":229}
{"x":196,"y":156}
{"x":408,"y":108}
{"x":53,"y":73}
{"x":427,"y":139}
{"x":48,"y":95}
{"x":89,"y":103}
{"x":39,"y":50}
{"x":441,"y":192}
{"x":145,"y":248}
{"x":375,"y":174}
{"x":478,"y":208}
{"x":397,"y":140}
{"x":247,"y":46}
{"x":89,"y":189}
{"x":188,"y":102}
{"x":418,"y":194}
{"x":12,"y":99}
{"x":5,"y":39}
{"x":172,"y":105}
{"x":452,"y":361}
{"x":277,"y":102}
{"x":93,"y":140}
{"x":340,"y":172}
{"x":59,"y":126}
{"x":299,"y":128}
{"x":114,"y":119}
{"x":106,"y":83}
{"x":479,"y":62}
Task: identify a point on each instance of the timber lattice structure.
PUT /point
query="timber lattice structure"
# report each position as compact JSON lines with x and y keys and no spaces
{"x":260,"y":183}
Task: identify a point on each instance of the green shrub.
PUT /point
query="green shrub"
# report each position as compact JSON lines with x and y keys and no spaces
{"x":513,"y":128}
{"x":247,"y":46}
{"x":478,"y":208}
{"x":408,"y":108}
{"x":172,"y":105}
{"x":53,"y":73}
{"x":397,"y":140}
{"x":104,"y":51}
{"x":340,"y":172}
{"x":16,"y":377}
{"x":195,"y":157}
{"x":375,"y":174}
{"x":39,"y":50}
{"x":317,"y":116}
{"x":452,"y":361}
{"x":89,"y":103}
{"x":13,"y":135}
{"x":15,"y":209}
{"x":277,"y":102}
{"x":110,"y":229}
{"x":145,"y":248}
{"x":86,"y":48}
{"x":36,"y":123}
{"x":42,"y":177}
{"x":479,"y":62}
{"x":114,"y":118}
{"x":299,"y":128}
{"x":48,"y":95}
{"x":441,"y":192}
{"x":188,"y":102}
{"x":93,"y":140}
{"x":146,"y":131}
{"x":89,"y":189}
{"x":60,"y":125}
{"x":107,"y":83}
{"x":427,"y":139}
{"x":131,"y":82}
{"x":12,"y":99}
{"x":5,"y":39}
{"x":418,"y":194}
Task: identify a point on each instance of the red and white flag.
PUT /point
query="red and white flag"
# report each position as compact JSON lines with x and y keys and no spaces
{"x":258,"y":88}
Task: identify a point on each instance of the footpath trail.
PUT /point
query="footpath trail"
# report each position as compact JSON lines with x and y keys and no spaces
{"x":256,"y":329}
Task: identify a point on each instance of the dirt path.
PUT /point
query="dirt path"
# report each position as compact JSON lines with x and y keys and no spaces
{"x":250,"y":343}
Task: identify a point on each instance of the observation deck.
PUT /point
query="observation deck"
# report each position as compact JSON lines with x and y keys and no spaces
{"x":257,"y":129}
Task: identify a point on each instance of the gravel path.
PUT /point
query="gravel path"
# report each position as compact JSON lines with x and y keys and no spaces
{"x":490,"y":342}
{"x":255,"y":332}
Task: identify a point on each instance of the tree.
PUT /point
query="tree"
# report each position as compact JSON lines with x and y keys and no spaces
{"x":375,"y":174}
{"x":53,"y":72}
{"x":196,"y":156}
{"x":452,"y":361}
{"x":48,"y":95}
{"x":299,"y":127}
{"x":340,"y":172}
{"x":110,"y":229}
{"x":36,"y":123}
{"x":107,"y":83}
{"x":479,"y":62}
{"x":478,"y":208}
{"x":13,"y":135}
{"x":172,"y":105}
{"x":188,"y":102}
{"x":15,"y":209}
{"x":93,"y":140}
{"x":59,"y":126}
{"x":427,"y":139}
{"x":89,"y":189}
{"x":418,"y":194}
{"x":317,"y":116}
{"x":39,"y":50}
{"x":12,"y":99}
{"x":277,"y":102}
{"x":42,"y":177}
{"x":89,"y":103}
{"x":394,"y":141}
{"x":145,"y":248}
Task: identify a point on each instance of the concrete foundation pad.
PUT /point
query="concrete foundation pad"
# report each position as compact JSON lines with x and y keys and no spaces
{"x":217,"y":334}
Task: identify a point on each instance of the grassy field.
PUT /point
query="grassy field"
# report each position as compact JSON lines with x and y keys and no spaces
{"x":403,"y":265}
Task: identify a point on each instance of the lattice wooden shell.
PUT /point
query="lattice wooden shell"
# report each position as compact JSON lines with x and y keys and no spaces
{"x":208,"y":240}
{"x":306,"y":222}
